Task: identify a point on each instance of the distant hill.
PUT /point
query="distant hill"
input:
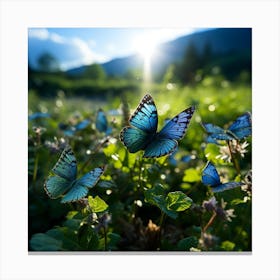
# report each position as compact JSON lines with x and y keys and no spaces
{"x":229,"y":43}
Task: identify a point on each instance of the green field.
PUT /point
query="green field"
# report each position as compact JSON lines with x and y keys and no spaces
{"x":140,"y":204}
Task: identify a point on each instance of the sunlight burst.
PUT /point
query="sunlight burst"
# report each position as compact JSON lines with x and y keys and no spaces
{"x":145,"y":46}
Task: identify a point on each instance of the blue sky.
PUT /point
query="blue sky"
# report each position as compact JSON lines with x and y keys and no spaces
{"x":74,"y":47}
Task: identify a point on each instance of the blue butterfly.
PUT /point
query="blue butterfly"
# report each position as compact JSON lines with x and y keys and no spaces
{"x":211,"y":177}
{"x":144,"y":136}
{"x":65,"y":183}
{"x":71,"y":130}
{"x":102,"y":123}
{"x":38,"y":115}
{"x":239,"y":129}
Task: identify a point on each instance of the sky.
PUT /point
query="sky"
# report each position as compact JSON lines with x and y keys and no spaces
{"x":74,"y":47}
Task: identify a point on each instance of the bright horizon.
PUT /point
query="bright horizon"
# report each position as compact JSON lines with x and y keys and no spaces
{"x":74,"y":47}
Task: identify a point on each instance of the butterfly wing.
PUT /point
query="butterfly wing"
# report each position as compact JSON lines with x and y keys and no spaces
{"x":216,"y":133}
{"x":164,"y":142}
{"x":145,"y":116}
{"x":134,"y":139}
{"x":176,"y":128}
{"x":160,"y":147}
{"x":82,"y":125}
{"x":66,"y":166}
{"x":101,"y":121}
{"x":226,"y":186}
{"x":210,"y":175}
{"x":79,"y":188}
{"x":56,"y":186}
{"x":242,"y":126}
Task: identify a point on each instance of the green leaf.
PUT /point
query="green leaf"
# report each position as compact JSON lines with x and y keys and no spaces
{"x":156,"y":196}
{"x":227,"y":245}
{"x":88,"y":238}
{"x":178,"y":201}
{"x":73,"y":224}
{"x":192,"y":175}
{"x":44,"y":242}
{"x":97,"y":204}
{"x":187,"y":243}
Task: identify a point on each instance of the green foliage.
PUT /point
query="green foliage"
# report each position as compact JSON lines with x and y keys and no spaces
{"x":138,"y":204}
{"x":97,"y":204}
{"x":187,"y":243}
{"x":95,"y":72}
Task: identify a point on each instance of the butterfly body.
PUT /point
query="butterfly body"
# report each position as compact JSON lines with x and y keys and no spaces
{"x":143,"y":135}
{"x":65,"y":183}
{"x":239,"y":129}
{"x":211,"y":177}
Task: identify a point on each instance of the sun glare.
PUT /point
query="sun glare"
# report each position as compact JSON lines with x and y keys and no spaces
{"x":146,"y":49}
{"x":145,"y":46}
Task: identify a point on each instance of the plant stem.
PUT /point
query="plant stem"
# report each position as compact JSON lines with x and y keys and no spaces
{"x":210,"y":222}
{"x":140,"y":173}
{"x":139,"y":185}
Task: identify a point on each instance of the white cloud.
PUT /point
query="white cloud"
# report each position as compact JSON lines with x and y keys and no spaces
{"x":44,"y":34}
{"x":88,"y":55}
{"x":77,"y":51}
{"x":39,"y":33}
{"x":111,"y":47}
{"x":57,"y":38}
{"x":92,"y":43}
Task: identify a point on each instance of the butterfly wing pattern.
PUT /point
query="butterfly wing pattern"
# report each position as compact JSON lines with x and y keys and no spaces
{"x":79,"y":188}
{"x":239,"y":129}
{"x":242,"y":126}
{"x":211,"y":177}
{"x":145,"y":121}
{"x":64,"y":182}
{"x":143,"y":135}
{"x":216,"y":133}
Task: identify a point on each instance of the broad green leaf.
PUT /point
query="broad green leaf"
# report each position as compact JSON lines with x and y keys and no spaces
{"x":156,"y":196}
{"x":227,"y":245}
{"x":44,"y":242}
{"x":172,"y":214}
{"x":187,"y":243}
{"x":192,"y":175}
{"x":178,"y":201}
{"x":69,"y":239}
{"x":97,"y":204}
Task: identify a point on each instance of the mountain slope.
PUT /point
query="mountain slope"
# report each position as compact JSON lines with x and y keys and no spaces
{"x":222,"y":42}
